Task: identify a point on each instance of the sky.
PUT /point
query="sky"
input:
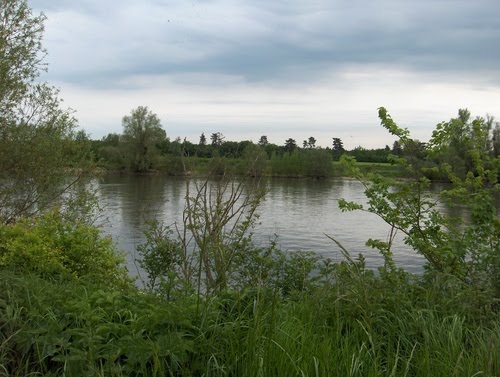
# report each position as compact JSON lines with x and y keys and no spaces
{"x":284,"y":69}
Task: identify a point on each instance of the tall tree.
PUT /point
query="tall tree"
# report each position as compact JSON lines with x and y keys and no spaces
{"x":452,"y":141}
{"x":495,"y":140}
{"x":396,"y":148}
{"x":142,"y":132}
{"x":35,"y":133}
{"x":290,"y":145}
{"x":337,"y":147}
{"x":217,"y":138}
{"x":310,"y":143}
{"x":203,"y":139}
{"x":263,"y":141}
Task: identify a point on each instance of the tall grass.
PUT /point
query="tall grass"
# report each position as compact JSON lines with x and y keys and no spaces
{"x":81,"y":329}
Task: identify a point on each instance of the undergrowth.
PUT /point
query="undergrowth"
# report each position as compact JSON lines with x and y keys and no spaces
{"x":215,"y":305}
{"x":364,"y":325}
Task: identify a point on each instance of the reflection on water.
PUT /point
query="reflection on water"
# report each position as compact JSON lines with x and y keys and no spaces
{"x":299,"y":212}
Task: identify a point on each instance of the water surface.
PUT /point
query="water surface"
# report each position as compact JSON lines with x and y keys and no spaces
{"x":295,"y":212}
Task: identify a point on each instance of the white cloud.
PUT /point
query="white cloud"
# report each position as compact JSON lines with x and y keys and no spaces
{"x":344,"y":105}
{"x":286,"y":69}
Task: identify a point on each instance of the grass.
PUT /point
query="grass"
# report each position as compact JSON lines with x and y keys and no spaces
{"x":281,"y":315}
{"x":359,"y":327}
{"x":385,"y":169}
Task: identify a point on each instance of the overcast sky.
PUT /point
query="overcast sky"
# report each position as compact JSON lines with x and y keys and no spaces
{"x":284,"y":69}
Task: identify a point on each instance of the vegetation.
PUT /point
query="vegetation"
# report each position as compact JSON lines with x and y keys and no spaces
{"x":214,"y":304}
{"x":289,"y":160}
{"x":38,"y":142}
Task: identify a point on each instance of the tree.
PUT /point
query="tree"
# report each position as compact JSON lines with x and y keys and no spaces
{"x":203,"y":139}
{"x":337,"y":148}
{"x":21,"y":53}
{"x":310,"y":143}
{"x":35,"y":133}
{"x":452,"y":141}
{"x":316,"y":162}
{"x":254,"y":160}
{"x":142,"y":132}
{"x":495,"y":138}
{"x":109,"y":152}
{"x":397,"y":149}
{"x":290,"y":145}
{"x":465,"y":248}
{"x":217,"y":138}
{"x":263,"y":141}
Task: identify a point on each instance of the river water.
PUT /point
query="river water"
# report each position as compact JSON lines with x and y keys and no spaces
{"x":298,"y":213}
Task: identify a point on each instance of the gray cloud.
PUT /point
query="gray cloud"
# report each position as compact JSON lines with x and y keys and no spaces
{"x":102,"y":43}
{"x":283,"y":68}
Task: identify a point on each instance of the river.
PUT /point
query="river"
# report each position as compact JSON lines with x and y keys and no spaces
{"x":298,"y":213}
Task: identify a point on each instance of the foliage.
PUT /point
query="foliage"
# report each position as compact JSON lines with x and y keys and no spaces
{"x":84,"y":329}
{"x":286,"y":165}
{"x":379,"y":155}
{"x":263,"y":141}
{"x":216,"y":139}
{"x":254,"y":161}
{"x":310,"y":162}
{"x":309,"y":143}
{"x":468,"y":249}
{"x":353,"y":323}
{"x":202,"y":254}
{"x":51,"y":246}
{"x":337,"y":148}
{"x":203,"y":139}
{"x":165,"y":259}
{"x":462,"y":146}
{"x":37,"y":142}
{"x":317,"y":163}
{"x":290,"y":145}
{"x":142,"y":133}
{"x":21,"y":53}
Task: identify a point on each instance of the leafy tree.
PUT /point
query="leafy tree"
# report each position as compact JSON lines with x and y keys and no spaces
{"x":317,"y":163}
{"x":35,"y":133}
{"x":287,"y":164}
{"x":311,"y":142}
{"x":254,"y":160}
{"x":370,"y":155}
{"x":451,"y":142}
{"x":465,"y":248}
{"x":109,"y":152}
{"x":217,"y":139}
{"x":233,"y":149}
{"x":263,"y":141}
{"x":203,"y":139}
{"x":142,"y":132}
{"x":397,"y":149}
{"x":337,"y":144}
{"x":290,"y":145}
{"x":455,"y":145}
{"x":337,"y":148}
{"x":21,"y":54}
{"x":495,"y":138}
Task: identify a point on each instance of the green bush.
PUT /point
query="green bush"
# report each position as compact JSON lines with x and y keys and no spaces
{"x":49,"y":245}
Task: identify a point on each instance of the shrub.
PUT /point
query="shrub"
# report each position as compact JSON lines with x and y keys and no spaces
{"x":49,"y":245}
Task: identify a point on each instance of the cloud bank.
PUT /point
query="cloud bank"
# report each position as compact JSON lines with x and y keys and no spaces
{"x":284,"y":69}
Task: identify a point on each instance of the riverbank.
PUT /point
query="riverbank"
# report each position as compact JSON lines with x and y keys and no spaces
{"x":201,"y":167}
{"x":360,"y":326}
{"x":63,"y":312}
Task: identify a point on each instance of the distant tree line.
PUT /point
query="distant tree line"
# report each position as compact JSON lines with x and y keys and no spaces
{"x":144,"y":146}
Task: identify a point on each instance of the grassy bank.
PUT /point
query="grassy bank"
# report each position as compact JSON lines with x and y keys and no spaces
{"x":63,"y":313}
{"x":202,"y":166}
{"x":359,"y":327}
